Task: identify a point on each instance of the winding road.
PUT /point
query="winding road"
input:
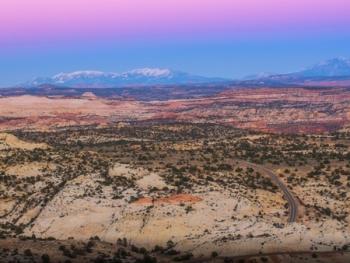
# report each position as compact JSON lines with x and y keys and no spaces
{"x":292,"y":201}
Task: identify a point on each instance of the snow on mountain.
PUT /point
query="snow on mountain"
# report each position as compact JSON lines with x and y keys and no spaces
{"x":336,"y":67}
{"x":150,"y":72}
{"x":142,"y":76}
{"x":329,"y":70}
{"x":89,"y":74}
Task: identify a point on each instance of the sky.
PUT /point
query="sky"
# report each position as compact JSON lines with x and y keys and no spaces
{"x":223,"y":38}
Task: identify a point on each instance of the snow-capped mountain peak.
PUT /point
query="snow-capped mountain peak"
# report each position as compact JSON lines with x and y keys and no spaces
{"x":328,"y":72}
{"x":334,"y":61}
{"x":150,"y":72}
{"x":89,"y":74}
{"x":141,"y":76}
{"x":330,"y":68}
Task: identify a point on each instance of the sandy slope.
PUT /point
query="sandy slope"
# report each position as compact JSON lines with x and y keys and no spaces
{"x":10,"y":141}
{"x":202,"y":222}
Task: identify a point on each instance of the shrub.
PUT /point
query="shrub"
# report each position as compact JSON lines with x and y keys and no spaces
{"x":28,"y":253}
{"x":45,"y":258}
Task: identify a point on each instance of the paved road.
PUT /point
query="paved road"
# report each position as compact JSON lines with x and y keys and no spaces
{"x":292,"y":201}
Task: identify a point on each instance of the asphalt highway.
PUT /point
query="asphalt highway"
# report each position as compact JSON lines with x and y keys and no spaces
{"x":292,"y":201}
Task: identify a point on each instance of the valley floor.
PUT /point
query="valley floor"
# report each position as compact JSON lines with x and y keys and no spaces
{"x":179,"y":191}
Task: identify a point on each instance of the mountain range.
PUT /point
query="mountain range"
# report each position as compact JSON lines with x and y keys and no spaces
{"x":334,"y":71}
{"x":137,"y":77}
{"x":331,"y":72}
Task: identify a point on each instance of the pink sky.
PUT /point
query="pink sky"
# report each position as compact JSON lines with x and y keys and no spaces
{"x":22,"y":20}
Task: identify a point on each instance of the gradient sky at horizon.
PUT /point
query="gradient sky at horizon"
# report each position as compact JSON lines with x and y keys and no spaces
{"x":226,"y":38}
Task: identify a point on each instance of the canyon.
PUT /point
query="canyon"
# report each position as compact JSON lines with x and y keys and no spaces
{"x":277,"y":110}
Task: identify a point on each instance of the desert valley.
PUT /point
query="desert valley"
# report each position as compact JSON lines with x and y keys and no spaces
{"x":277,"y":110}
{"x":193,"y":131}
{"x":230,"y":172}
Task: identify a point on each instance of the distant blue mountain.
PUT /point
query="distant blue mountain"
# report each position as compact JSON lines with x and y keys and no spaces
{"x":336,"y":67}
{"x":137,"y":77}
{"x":330,"y":70}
